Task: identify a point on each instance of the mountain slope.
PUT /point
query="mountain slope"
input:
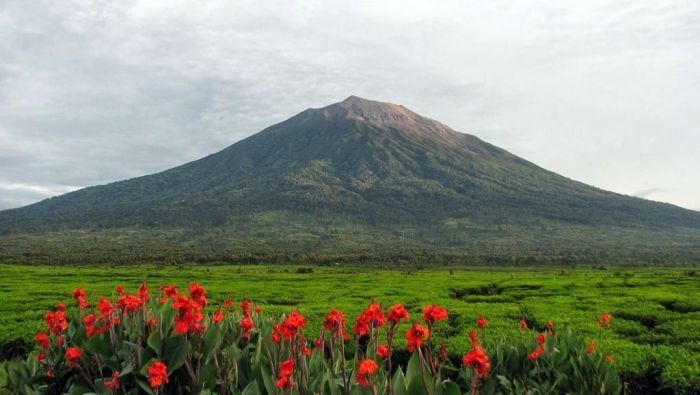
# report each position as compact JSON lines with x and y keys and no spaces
{"x":374,"y":165}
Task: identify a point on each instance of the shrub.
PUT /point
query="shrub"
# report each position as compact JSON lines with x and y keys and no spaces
{"x":176,"y":343}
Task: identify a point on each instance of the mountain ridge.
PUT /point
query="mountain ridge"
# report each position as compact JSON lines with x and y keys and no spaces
{"x":378,"y":166}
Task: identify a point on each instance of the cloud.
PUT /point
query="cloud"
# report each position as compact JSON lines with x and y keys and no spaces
{"x":646,"y":193}
{"x":601,"y":91}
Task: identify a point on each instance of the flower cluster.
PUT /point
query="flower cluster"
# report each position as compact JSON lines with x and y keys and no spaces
{"x":93,"y":344}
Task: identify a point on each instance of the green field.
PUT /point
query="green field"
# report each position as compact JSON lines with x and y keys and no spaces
{"x":655,"y":336}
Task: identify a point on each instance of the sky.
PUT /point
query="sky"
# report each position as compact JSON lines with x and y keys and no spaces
{"x":606,"y":92}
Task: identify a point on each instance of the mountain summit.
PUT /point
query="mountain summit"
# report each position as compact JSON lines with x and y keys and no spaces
{"x":358,"y":177}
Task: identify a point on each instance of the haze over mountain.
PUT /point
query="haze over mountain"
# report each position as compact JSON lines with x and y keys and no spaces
{"x":354,"y":178}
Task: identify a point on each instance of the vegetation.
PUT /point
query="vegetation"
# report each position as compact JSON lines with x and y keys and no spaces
{"x":354,"y":181}
{"x":654,"y":336}
{"x":166,"y":343}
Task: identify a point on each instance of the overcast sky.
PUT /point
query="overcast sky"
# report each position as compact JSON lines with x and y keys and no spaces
{"x":605,"y":92}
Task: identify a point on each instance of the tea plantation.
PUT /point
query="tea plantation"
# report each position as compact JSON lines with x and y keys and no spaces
{"x":655,"y":335}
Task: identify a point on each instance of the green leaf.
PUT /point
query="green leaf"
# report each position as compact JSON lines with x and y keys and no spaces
{"x":212,"y":340}
{"x":450,"y":388}
{"x":154,"y":343}
{"x":251,"y":389}
{"x":175,"y":352}
{"x":398,"y":384}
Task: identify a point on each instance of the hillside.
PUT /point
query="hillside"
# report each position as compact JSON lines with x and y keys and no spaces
{"x":356,"y":178}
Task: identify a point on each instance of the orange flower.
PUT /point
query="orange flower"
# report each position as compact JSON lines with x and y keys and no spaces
{"x":415,"y":336}
{"x":433,"y":313}
{"x":608,"y":358}
{"x":478,"y":360}
{"x":157,"y":374}
{"x":366,"y":368}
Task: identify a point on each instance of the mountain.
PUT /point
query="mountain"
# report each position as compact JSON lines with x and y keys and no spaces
{"x":358,"y":179}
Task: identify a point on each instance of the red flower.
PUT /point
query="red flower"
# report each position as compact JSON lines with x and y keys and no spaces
{"x":60,"y":307}
{"x":397,"y":313}
{"x":129,"y":303}
{"x":541,"y":338}
{"x":478,"y":360}
{"x":79,"y":295}
{"x":105,"y":307}
{"x":72,"y":356}
{"x":112,"y":384}
{"x":217,"y":317}
{"x":169,"y":292}
{"x":228,"y":303}
{"x":604,"y":321}
{"x":415,"y":336}
{"x":42,"y":339}
{"x":473,"y":339}
{"x":289,"y":327}
{"x":245,"y":306}
{"x":382,"y":351}
{"x":361,"y":326}
{"x":143,"y":292}
{"x":40,"y":357}
{"x":433,"y":313}
{"x":550,"y":326}
{"x":307,"y":351}
{"x":198,"y":294}
{"x":56,"y":321}
{"x":286,"y":370}
{"x":591,"y":346}
{"x":246,"y":325}
{"x":257,"y":309}
{"x":119,"y":289}
{"x":366,"y":368}
{"x":481,"y":322}
{"x":608,"y":358}
{"x":157,"y":374}
{"x":371,"y":316}
{"x":89,"y":322}
{"x":189,"y":315}
{"x":335,"y":322}
{"x":537,"y":353}
{"x":523,"y":324}
{"x":151,"y":321}
{"x":48,"y":373}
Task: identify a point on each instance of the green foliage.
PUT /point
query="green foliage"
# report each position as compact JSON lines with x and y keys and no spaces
{"x":119,"y":346}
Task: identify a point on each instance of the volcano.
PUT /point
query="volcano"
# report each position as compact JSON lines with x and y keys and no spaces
{"x":358,"y":179}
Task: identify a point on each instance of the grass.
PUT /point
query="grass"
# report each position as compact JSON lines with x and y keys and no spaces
{"x":656,"y":327}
